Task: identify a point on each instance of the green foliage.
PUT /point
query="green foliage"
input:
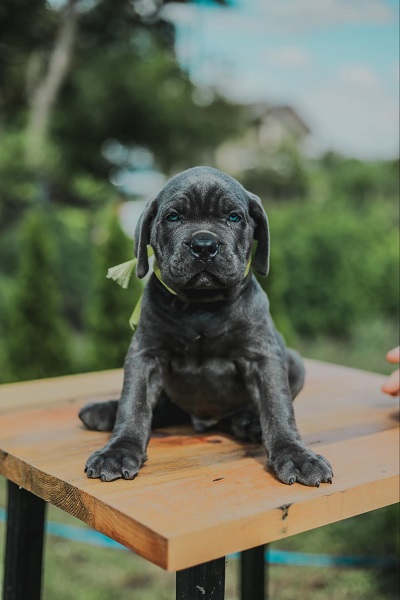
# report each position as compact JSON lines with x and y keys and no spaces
{"x":364,"y":347}
{"x":360,"y":181}
{"x":37,"y":338}
{"x":73,"y":230}
{"x":111,"y":305}
{"x":18,"y":186}
{"x":375,"y":534}
{"x":18,"y":40}
{"x":333,"y":285}
{"x":155,"y":108}
{"x":124,"y":83}
{"x":332,"y":266}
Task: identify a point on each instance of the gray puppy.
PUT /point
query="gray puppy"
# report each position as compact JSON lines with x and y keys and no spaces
{"x":206,"y":346}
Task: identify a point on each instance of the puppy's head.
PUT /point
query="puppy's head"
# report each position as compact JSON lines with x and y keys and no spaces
{"x":201,"y":227}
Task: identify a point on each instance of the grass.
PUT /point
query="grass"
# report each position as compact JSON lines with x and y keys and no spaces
{"x":78,"y":571}
{"x":366,"y":348}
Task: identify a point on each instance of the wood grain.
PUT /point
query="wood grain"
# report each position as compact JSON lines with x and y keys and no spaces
{"x":199,"y":497}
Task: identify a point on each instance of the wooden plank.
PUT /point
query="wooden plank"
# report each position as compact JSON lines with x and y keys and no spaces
{"x":255,"y":512}
{"x":202,"y":496}
{"x":221,"y":506}
{"x":53,"y":390}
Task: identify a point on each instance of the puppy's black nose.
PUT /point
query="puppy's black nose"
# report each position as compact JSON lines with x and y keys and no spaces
{"x":204,"y":246}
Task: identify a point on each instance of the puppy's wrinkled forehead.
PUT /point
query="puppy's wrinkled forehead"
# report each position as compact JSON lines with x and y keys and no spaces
{"x":204,"y":187}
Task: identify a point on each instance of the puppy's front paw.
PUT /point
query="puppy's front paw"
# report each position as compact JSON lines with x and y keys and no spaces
{"x":114,"y":462}
{"x":295,"y":462}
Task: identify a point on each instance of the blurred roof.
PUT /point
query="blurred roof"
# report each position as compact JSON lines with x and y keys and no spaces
{"x":284,"y":113}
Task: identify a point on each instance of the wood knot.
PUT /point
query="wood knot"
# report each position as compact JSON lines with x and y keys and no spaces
{"x":285,"y":511}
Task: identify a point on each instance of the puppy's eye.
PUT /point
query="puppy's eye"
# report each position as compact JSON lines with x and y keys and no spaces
{"x":173,"y":217}
{"x":234,"y":218}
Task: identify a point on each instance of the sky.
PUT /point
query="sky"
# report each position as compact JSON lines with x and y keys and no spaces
{"x":336,"y":62}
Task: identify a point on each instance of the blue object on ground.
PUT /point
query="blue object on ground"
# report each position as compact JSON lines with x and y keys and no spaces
{"x":272,"y":556}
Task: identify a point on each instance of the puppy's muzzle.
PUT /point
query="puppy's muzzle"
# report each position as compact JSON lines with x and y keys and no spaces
{"x":204,"y":245}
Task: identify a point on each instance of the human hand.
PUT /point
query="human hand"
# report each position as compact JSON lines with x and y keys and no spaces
{"x":392,"y":384}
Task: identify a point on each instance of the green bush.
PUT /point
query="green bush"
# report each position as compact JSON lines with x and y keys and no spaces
{"x":111,"y":306}
{"x":38,"y":341}
{"x":332,"y":266}
{"x":360,"y":182}
{"x":73,"y":230}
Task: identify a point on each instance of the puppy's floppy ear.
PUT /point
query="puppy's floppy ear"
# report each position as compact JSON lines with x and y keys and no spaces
{"x":261,"y":234}
{"x":142,"y":238}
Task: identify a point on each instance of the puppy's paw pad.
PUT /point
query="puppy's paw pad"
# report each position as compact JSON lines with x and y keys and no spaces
{"x":115,"y":463}
{"x":298,"y":463}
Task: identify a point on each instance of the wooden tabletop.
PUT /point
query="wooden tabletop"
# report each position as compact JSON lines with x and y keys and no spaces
{"x":200,"y":497}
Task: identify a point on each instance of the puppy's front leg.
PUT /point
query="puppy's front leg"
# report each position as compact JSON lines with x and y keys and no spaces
{"x":126,"y":451}
{"x":267,"y":382}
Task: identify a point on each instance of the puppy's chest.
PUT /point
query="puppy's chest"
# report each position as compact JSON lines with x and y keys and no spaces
{"x":205,"y":388}
{"x":201,"y":374}
{"x":202,"y":342}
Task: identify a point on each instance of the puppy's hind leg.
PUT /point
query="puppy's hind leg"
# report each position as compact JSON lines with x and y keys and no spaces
{"x":296,"y":371}
{"x":99,"y":416}
{"x":244,"y":425}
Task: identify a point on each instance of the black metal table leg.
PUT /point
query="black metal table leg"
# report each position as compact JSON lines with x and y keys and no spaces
{"x":252,"y":574}
{"x":203,"y":582}
{"x":24,"y":545}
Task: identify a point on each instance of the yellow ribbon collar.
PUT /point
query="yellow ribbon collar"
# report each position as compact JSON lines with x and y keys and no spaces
{"x":122,"y":274}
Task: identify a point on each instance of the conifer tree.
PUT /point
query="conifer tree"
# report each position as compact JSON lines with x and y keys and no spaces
{"x":39,"y":340}
{"x":112,"y":306}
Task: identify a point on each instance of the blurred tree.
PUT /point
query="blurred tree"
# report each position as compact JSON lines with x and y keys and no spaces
{"x":46,"y":74}
{"x":18,"y":190}
{"x":360,"y":181}
{"x":112,"y":306}
{"x":330,"y":268}
{"x":137,"y":95}
{"x":281,"y":175}
{"x":88,"y":72}
{"x":73,"y":75}
{"x":119,"y":80}
{"x":38,"y":341}
{"x":73,"y":230}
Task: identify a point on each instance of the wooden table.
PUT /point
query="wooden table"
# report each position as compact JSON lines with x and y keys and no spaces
{"x":198,"y":497}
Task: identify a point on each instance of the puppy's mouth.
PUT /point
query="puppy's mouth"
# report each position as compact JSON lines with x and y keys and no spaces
{"x":204,"y":287}
{"x":204,"y":280}
{"x":199,"y":280}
